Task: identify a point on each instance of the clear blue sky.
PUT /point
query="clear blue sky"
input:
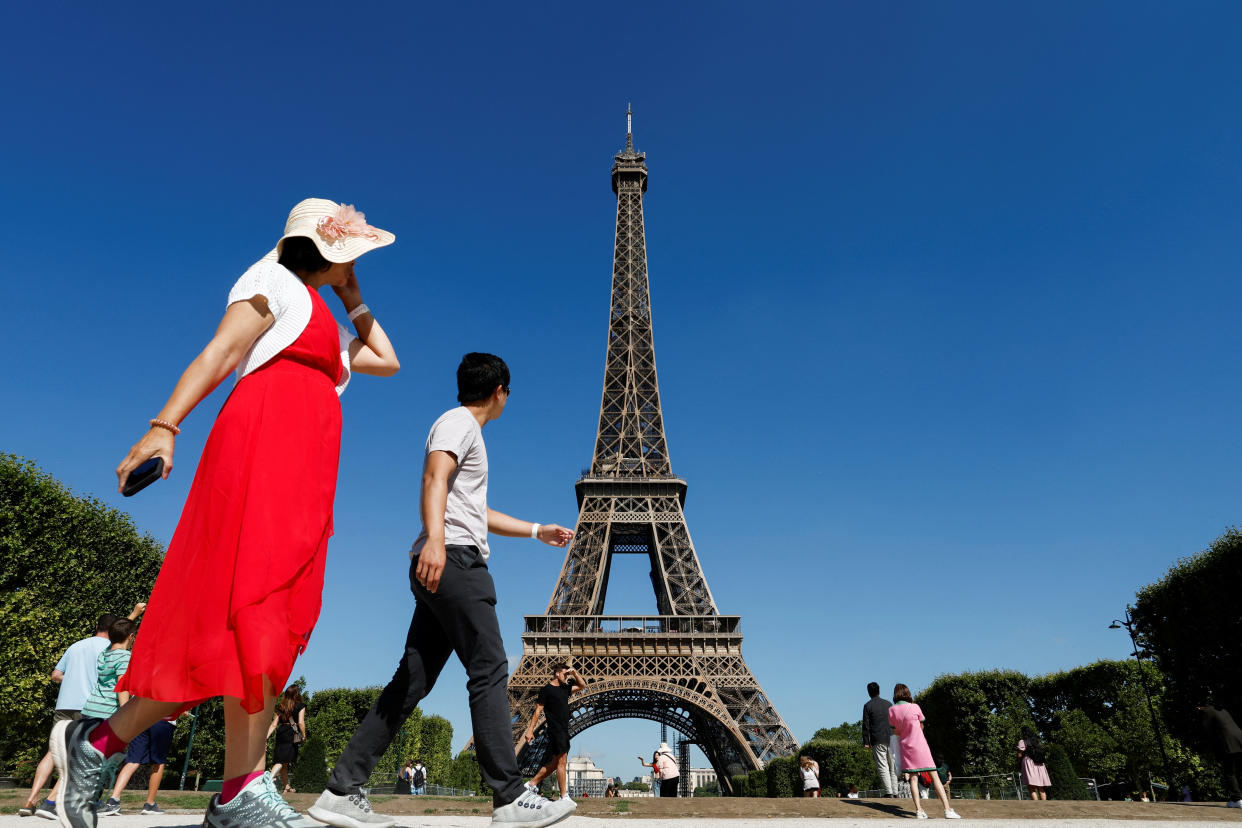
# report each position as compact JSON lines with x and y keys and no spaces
{"x":945,"y":294}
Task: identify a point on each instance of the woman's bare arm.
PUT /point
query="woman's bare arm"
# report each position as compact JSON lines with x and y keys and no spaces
{"x":242,"y":324}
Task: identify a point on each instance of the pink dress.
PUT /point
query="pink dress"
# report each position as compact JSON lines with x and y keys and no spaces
{"x":908,"y":718}
{"x":1033,"y":774}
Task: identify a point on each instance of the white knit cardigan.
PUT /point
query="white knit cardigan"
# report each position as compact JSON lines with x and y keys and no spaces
{"x":290,"y":302}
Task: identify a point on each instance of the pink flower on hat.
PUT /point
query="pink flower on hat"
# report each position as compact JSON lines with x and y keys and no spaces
{"x":347,"y":223}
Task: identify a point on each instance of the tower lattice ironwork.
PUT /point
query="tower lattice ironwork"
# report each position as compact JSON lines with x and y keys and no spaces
{"x":683,"y":666}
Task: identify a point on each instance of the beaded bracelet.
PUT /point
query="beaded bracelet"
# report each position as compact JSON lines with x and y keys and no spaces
{"x":158,"y":423}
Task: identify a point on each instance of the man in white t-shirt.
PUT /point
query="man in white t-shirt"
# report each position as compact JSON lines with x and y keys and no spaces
{"x":77,"y":674}
{"x":454,"y":611}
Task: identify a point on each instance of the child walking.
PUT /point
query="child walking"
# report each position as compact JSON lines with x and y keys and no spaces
{"x":907,"y":719}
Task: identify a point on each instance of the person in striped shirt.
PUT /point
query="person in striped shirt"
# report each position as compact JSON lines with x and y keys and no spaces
{"x":112,"y":663}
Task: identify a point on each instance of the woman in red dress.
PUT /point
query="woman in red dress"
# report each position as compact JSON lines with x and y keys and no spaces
{"x":239,"y":591}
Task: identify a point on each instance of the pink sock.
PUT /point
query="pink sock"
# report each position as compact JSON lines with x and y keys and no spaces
{"x":232,"y":787}
{"x":105,"y":741}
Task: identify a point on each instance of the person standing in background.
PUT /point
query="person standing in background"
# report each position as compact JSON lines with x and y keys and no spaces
{"x":875,"y":735}
{"x":1226,"y":738}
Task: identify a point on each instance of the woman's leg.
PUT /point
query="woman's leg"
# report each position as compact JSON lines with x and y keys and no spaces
{"x":245,"y":735}
{"x":277,"y":768}
{"x":914,"y":790}
{"x":136,"y":715}
{"x":940,"y":792}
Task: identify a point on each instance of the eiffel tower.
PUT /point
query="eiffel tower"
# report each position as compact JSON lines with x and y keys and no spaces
{"x":682,"y":667}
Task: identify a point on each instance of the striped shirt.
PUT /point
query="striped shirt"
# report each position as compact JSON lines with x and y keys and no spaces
{"x":103,"y":702}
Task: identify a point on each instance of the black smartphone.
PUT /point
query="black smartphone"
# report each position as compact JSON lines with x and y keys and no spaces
{"x":143,"y":476}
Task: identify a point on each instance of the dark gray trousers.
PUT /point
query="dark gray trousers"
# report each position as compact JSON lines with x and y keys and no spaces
{"x":459,"y":617}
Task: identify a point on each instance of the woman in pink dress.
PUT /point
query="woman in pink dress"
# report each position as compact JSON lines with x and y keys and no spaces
{"x":1034,"y":772}
{"x":907,"y":719}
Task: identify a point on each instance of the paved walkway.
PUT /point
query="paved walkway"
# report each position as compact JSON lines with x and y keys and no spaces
{"x":195,"y":820}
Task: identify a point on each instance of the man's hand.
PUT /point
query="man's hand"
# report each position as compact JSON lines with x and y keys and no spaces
{"x":554,"y":535}
{"x":431,"y":564}
{"x":139,"y":609}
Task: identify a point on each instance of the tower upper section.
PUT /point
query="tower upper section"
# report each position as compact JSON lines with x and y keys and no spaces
{"x":630,"y":442}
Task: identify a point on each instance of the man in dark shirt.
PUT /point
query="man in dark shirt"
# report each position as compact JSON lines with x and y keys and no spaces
{"x":875,"y":735}
{"x":554,"y":705}
{"x":1226,"y":739}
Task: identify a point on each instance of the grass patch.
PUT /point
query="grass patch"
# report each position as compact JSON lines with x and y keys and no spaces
{"x":622,"y":808}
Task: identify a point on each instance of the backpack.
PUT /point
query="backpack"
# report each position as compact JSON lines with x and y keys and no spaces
{"x":420,"y":776}
{"x":1036,"y":752}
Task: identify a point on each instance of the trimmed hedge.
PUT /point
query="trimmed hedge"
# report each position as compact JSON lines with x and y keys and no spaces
{"x":740,"y":787}
{"x":1065,"y":783}
{"x":757,"y":783}
{"x":841,"y":764}
{"x":65,"y":560}
{"x":783,"y":777}
{"x":310,"y":772}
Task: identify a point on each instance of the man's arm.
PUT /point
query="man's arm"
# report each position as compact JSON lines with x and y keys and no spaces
{"x":866,"y":727}
{"x":139,"y":609}
{"x":579,"y":682}
{"x":498,"y":523}
{"x":57,"y":676}
{"x":439,"y":467}
{"x":534,"y":722}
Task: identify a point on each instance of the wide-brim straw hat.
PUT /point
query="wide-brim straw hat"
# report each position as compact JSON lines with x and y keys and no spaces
{"x":339,"y":231}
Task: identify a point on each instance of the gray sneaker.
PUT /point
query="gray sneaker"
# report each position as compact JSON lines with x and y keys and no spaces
{"x":110,"y":808}
{"x":152,"y":809}
{"x":530,"y":810}
{"x":353,"y":811}
{"x":46,"y":810}
{"x":82,"y":771}
{"x":258,"y":805}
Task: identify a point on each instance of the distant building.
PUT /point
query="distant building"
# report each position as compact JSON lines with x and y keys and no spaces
{"x":700,"y":777}
{"x":584,"y":778}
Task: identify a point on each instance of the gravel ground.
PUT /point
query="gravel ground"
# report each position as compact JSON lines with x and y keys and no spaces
{"x":424,"y":821}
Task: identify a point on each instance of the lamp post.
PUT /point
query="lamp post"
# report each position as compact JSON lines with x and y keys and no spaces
{"x":185,"y":768}
{"x":1128,"y":624}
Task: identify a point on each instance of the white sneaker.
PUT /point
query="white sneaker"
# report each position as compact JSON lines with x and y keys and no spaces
{"x":530,"y":810}
{"x":353,"y":811}
{"x":920,"y":814}
{"x":952,"y":814}
{"x":1236,"y":803}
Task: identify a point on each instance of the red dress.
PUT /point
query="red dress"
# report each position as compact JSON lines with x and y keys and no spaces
{"x":240,"y":588}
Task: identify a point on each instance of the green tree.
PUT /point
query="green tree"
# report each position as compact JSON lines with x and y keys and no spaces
{"x":1189,"y":622}
{"x":636,"y":786}
{"x":974,"y":720}
{"x":436,"y":749}
{"x":64,"y":561}
{"x":464,"y":774}
{"x":844,"y":732}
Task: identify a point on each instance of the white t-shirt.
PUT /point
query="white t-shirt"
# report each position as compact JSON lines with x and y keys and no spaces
{"x":81,"y":673}
{"x":465,"y":511}
{"x":809,"y":780}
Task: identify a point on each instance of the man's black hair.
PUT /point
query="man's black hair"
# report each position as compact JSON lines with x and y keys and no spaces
{"x":106,"y":620}
{"x":299,"y":254}
{"x":873,"y":689}
{"x":478,"y":375}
